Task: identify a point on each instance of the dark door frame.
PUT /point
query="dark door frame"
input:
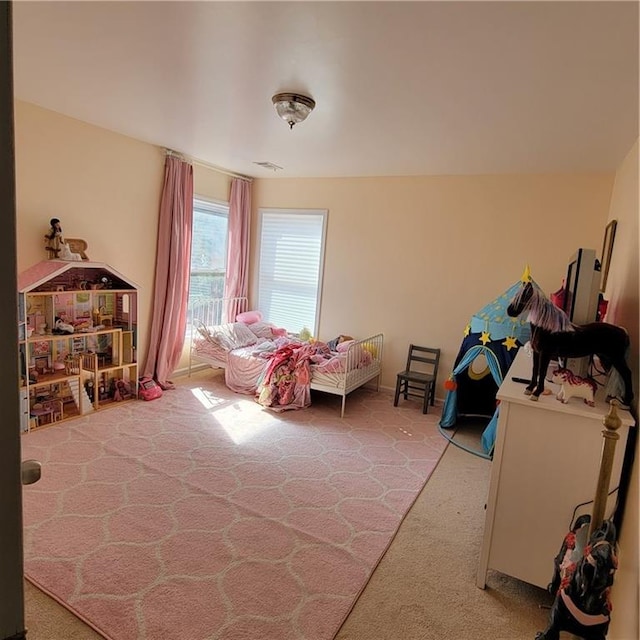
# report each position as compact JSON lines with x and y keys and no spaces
{"x":11,"y":559}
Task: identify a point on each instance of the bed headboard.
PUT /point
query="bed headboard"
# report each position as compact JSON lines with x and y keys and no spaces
{"x":214,"y":311}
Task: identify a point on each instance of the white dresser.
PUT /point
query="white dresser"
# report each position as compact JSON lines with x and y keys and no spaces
{"x":546,"y":461}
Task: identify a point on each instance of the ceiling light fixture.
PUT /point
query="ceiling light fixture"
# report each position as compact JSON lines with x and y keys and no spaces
{"x":292,"y":107}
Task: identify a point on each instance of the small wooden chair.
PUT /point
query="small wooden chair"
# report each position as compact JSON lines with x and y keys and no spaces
{"x":419,"y":377}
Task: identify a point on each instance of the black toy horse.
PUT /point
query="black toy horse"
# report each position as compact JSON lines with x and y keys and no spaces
{"x":583,"y":575}
{"x":553,"y":336}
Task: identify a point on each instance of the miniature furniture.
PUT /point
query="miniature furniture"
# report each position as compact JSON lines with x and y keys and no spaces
{"x":47,"y":412}
{"x":544,"y":474}
{"x":105,"y":319}
{"x":76,"y":245}
{"x":77,"y":339}
{"x":419,"y":377}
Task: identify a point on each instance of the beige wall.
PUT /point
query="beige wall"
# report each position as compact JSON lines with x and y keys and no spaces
{"x":622,"y":291}
{"x":211,"y":184}
{"x":104,"y":187}
{"x":414,"y":258}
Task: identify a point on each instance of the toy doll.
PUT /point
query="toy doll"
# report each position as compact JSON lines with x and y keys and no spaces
{"x":54,"y":241}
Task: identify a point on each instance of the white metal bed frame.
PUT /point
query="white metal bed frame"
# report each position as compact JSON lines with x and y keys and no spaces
{"x":211,"y":312}
{"x":354,"y":377}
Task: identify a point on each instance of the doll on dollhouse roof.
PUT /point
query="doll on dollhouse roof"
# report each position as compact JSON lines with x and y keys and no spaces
{"x":59,"y":248}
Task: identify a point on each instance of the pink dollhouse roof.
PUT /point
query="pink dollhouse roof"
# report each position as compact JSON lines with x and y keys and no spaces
{"x":42,"y":272}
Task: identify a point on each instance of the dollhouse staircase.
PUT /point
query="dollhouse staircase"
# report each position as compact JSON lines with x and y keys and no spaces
{"x":77,"y":391}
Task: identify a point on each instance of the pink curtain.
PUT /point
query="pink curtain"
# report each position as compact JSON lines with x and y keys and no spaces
{"x":171,"y":292}
{"x":236,"y":284}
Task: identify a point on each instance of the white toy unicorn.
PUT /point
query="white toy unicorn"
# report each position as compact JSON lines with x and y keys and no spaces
{"x":574,"y":386}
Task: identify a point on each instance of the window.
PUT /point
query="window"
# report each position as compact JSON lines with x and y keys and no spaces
{"x":290,"y":269}
{"x":208,"y":252}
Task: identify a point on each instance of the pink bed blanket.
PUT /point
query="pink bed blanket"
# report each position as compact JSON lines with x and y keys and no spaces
{"x":287,"y":377}
{"x":244,"y":370}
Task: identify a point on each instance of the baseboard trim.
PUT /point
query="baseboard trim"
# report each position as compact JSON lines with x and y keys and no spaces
{"x":184,"y":371}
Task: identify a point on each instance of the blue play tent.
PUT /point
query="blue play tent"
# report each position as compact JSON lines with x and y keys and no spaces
{"x":491,"y":341}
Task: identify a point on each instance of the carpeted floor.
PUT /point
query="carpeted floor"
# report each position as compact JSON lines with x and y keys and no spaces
{"x":424,"y":587}
{"x":201,"y":515}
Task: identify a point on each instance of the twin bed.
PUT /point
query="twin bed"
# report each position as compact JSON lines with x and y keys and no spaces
{"x":279,"y":368}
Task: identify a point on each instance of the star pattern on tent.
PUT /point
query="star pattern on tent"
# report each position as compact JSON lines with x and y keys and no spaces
{"x":510,"y":343}
{"x":485,"y":337}
{"x":467,"y":330}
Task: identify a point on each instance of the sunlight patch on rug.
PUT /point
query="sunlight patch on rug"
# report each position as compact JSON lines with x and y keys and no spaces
{"x":242,"y":420}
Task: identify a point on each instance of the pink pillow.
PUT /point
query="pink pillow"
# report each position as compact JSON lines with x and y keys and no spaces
{"x":262,"y":329}
{"x":341,"y":347}
{"x":249,"y":317}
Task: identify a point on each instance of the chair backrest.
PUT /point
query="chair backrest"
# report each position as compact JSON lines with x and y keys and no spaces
{"x":423,"y":359}
{"x":78,"y":245}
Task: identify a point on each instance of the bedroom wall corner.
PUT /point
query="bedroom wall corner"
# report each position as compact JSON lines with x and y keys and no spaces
{"x":623,"y":294}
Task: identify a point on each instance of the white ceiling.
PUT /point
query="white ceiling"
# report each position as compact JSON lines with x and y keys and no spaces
{"x":402,"y":88}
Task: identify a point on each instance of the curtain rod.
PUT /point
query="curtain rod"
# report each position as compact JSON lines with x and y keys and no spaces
{"x":202,"y":163}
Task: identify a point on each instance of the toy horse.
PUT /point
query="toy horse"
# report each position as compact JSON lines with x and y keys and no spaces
{"x":574,"y":386}
{"x":554,"y":336}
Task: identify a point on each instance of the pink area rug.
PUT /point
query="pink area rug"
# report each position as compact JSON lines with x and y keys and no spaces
{"x":202,"y":515}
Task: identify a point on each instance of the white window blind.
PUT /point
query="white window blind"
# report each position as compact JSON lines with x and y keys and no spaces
{"x":291,"y":265}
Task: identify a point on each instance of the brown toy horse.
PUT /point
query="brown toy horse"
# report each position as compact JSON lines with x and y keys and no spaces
{"x":554,"y":336}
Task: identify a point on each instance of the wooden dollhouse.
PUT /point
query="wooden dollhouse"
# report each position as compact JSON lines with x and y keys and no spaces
{"x":77,"y":331}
